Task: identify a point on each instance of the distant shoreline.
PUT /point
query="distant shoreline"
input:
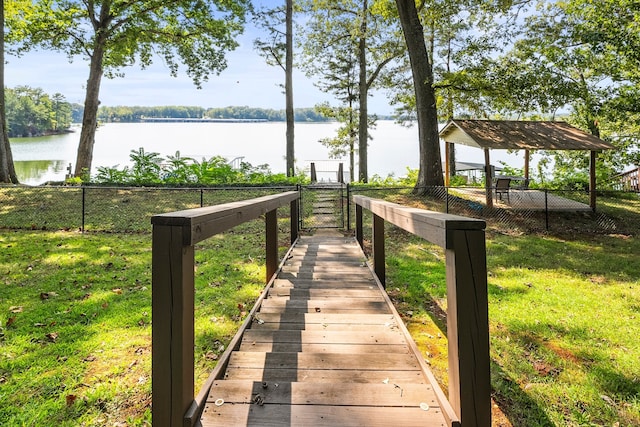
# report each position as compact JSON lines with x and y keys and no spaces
{"x":193,"y":120}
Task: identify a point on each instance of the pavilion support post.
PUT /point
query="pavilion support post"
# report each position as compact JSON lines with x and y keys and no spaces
{"x":592,"y":180}
{"x":447,"y":165}
{"x":488,"y":178}
{"x":314,"y":175}
{"x":527,"y":157}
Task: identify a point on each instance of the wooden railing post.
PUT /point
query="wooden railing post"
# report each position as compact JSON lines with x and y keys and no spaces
{"x":173,"y":330}
{"x":271,"y":237}
{"x":378,"y":248}
{"x":359,"y":236}
{"x":468,"y":327}
{"x":295,"y":219}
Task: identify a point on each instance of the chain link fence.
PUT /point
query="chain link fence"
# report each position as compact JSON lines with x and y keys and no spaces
{"x":117,"y":210}
{"x":520,"y":210}
{"x":109,"y":209}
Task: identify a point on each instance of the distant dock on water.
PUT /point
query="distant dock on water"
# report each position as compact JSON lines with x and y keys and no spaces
{"x":202,"y":120}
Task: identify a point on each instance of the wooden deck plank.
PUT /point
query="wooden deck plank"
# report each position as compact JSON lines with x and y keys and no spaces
{"x":343,"y":283}
{"x":326,"y":375}
{"x":302,"y":393}
{"x":322,"y":318}
{"x":318,"y":305}
{"x":319,"y":416}
{"x":322,"y":348}
{"x":301,"y":326}
{"x":382,"y":337}
{"x":320,"y":361}
{"x":371,"y":293}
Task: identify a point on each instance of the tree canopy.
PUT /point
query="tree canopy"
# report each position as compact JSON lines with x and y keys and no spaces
{"x":113,"y":34}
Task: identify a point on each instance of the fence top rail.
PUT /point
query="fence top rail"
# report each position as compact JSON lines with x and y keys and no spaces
{"x":430,"y":225}
{"x":202,"y":223}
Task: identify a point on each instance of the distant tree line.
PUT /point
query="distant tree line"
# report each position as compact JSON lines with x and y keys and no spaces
{"x":136,"y":114}
{"x":32,"y":112}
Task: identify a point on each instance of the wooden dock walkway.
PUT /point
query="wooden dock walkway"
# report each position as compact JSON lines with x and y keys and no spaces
{"x":325,"y":347}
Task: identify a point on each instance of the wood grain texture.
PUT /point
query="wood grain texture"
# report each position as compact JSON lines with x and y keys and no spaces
{"x":324,"y":349}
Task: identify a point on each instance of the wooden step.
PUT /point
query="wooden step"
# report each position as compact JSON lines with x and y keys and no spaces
{"x":281,"y":347}
{"x":326,"y":375}
{"x":379,"y":337}
{"x":328,"y":283}
{"x":370,"y":320}
{"x":319,"y":416}
{"x":341,"y":394}
{"x":371,"y":293}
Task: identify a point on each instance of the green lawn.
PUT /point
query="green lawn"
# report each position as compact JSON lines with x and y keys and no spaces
{"x":75,"y":320}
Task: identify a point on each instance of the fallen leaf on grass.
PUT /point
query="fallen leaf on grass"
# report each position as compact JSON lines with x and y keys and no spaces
{"x":10,"y":321}
{"x":89,"y":358}
{"x":117,"y":291}
{"x":47,"y":295}
{"x":15,"y":309}
{"x":52,"y":336}
{"x":71,"y":399}
{"x":211,"y":356}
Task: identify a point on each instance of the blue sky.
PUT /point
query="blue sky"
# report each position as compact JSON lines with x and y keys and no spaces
{"x":246,"y":81}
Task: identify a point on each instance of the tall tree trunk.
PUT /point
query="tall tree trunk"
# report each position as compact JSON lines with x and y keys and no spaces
{"x":289,"y":89}
{"x":7,"y":168}
{"x":363,"y":131}
{"x":430,"y":172}
{"x":352,"y":140}
{"x":90,"y":116}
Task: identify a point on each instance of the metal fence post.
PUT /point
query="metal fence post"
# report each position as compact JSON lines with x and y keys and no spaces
{"x":201,"y":197}
{"x":348,"y":207}
{"x":546,"y":209}
{"x":83,"y":209}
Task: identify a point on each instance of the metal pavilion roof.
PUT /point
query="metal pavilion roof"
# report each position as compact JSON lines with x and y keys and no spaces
{"x":514,"y":135}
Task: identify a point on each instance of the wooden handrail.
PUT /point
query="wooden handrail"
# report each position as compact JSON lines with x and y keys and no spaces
{"x":467,"y":302}
{"x":174,"y":237}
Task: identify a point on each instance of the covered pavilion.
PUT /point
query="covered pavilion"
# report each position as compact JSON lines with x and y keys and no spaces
{"x":521,"y":135}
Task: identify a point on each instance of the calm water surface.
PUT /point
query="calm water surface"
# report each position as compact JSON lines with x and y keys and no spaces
{"x":392,"y":149}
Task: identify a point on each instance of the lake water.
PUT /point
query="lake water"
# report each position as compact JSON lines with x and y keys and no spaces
{"x":392,"y":149}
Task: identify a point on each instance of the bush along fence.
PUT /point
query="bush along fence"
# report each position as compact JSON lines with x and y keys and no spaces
{"x":129,"y":209}
{"x":109,"y":209}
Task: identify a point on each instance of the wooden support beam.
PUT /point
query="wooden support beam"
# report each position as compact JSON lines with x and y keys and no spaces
{"x":468,"y":328}
{"x":378,"y":249}
{"x":359,"y":236}
{"x":527,"y":158}
{"x":271,"y":243}
{"x":173,"y":330}
{"x":294,"y":217}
